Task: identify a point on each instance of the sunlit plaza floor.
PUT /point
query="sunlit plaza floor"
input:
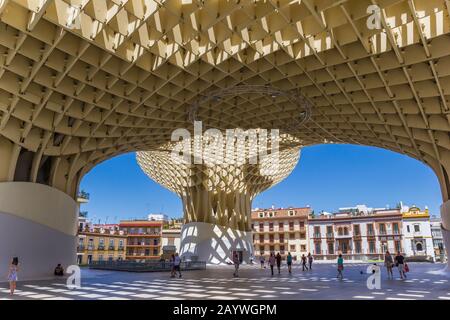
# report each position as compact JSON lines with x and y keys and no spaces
{"x":217,"y":282}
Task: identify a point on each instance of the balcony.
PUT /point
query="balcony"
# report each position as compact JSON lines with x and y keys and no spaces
{"x":121,"y":248}
{"x":330,"y":235}
{"x":90,"y":247}
{"x":81,"y":247}
{"x":100,"y":248}
{"x":317,"y":235}
{"x":343,"y":235}
{"x":111,"y":248}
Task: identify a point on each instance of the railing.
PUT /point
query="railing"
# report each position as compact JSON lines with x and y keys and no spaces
{"x":111,"y":248}
{"x":101,"y":248}
{"x":83,"y":195}
{"x":133,"y":266}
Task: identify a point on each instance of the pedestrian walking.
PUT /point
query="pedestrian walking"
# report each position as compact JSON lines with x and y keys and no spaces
{"x":236,"y":264}
{"x":304,"y":266}
{"x":172,"y":266}
{"x":289,"y":262}
{"x":262,"y":260}
{"x":12,"y":275}
{"x":340,"y":267}
{"x":400,"y":264}
{"x":278,"y":258}
{"x":271,"y":262}
{"x":389,"y":263}
{"x":310,"y":260}
{"x":177,"y":265}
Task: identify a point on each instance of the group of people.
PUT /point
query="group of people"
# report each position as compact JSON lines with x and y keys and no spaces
{"x":389,"y":263}
{"x":276,"y":259}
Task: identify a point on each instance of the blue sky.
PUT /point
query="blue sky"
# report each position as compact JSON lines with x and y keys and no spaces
{"x":327,"y":177}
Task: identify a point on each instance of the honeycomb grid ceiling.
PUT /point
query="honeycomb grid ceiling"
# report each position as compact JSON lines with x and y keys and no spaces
{"x":124,"y":77}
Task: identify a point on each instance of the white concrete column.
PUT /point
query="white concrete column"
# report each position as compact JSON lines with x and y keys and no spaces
{"x":213,"y":243}
{"x":445,"y":217}
{"x":38,"y":224}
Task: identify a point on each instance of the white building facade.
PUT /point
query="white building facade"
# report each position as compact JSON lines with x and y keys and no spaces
{"x":357,"y":235}
{"x":418,"y":240}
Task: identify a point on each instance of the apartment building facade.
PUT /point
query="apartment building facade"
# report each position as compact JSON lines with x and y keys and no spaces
{"x":100,"y":244}
{"x":280,"y":230}
{"x":144,"y":239}
{"x":357,"y":235}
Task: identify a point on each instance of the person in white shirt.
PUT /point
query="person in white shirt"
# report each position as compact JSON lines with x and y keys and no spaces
{"x":176,"y":265}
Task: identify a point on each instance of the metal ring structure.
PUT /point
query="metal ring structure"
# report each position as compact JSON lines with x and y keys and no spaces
{"x":216,"y":95}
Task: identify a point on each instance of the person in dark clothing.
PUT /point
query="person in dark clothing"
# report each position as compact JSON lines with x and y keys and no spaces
{"x":310,"y":260}
{"x":400,"y":263}
{"x":304,"y":266}
{"x":278,"y":258}
{"x":59,"y":270}
{"x":271,"y":262}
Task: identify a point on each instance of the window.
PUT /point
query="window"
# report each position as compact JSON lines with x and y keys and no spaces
{"x":292,"y":247}
{"x":271,"y":226}
{"x":356,"y":230}
{"x":317,"y":248}
{"x":407,"y":229}
{"x":302,"y":235}
{"x":281,"y":238}
{"x":261,"y":227}
{"x":100,"y":257}
{"x":330,"y":248}
{"x":372,"y":247}
{"x":317,"y":232}
{"x":357,"y":246}
{"x":272,"y":248}
{"x":329,"y":231}
{"x":291,"y":213}
{"x":271,"y":214}
{"x":271,"y":238}
{"x":417,"y":228}
{"x":261,"y":215}
{"x":261,"y":238}
{"x":340,"y":231}
{"x":282,"y":249}
{"x":303,"y":247}
{"x":370,"y":230}
{"x":302,"y":224}
{"x":345,"y":231}
{"x":395,"y":228}
{"x":382,"y":228}
{"x":281,"y":226}
{"x":398,"y":246}
{"x":291,"y":225}
{"x":292,"y":236}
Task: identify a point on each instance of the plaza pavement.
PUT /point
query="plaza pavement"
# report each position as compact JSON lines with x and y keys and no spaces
{"x":254,"y":283}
